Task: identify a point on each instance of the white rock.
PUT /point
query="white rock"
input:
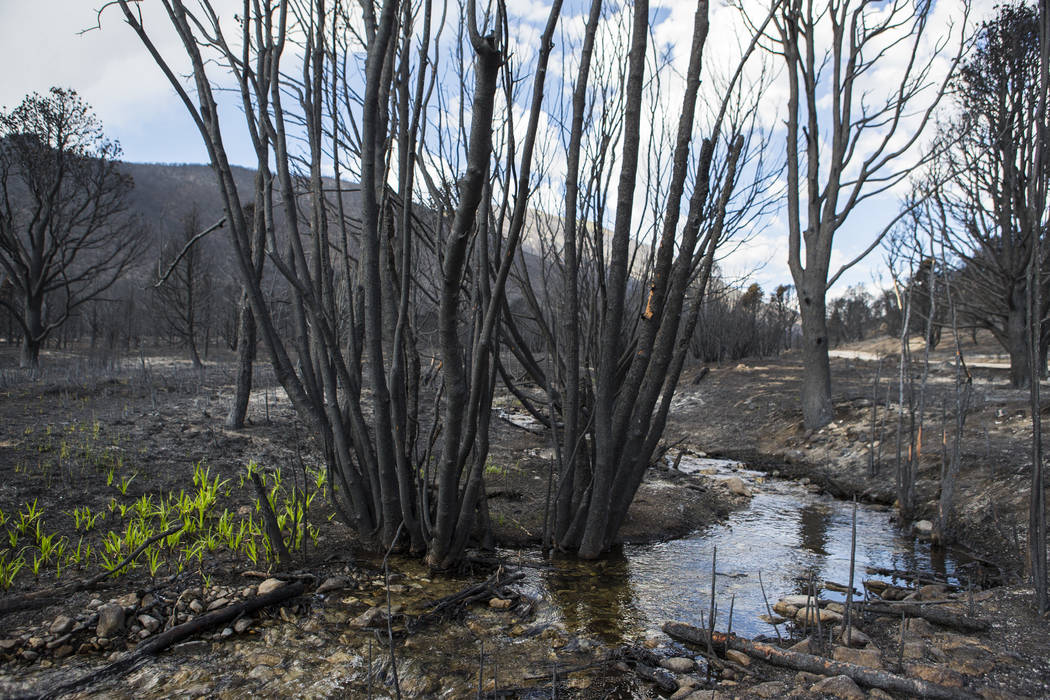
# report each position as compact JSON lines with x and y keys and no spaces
{"x":270,"y":585}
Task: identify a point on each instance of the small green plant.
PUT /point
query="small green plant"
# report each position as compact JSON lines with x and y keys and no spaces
{"x":9,"y":569}
{"x":125,"y":481}
{"x":84,"y":518}
{"x":153,"y":560}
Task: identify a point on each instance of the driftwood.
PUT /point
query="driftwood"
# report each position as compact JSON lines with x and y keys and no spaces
{"x":916,"y":576}
{"x":38,"y":599}
{"x":160,"y":642}
{"x":776,"y":656}
{"x":646,"y":666}
{"x":931,"y":614}
{"x":450,"y":605}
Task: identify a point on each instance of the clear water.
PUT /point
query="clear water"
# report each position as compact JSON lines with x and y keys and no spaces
{"x":787,"y":533}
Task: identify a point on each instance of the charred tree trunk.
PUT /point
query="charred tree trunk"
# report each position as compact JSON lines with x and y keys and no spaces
{"x":817,"y":408}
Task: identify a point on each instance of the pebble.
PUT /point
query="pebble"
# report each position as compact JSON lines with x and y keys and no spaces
{"x":62,"y":625}
{"x":241,"y":626}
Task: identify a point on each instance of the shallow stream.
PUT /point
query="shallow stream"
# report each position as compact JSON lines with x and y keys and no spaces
{"x":787,"y":532}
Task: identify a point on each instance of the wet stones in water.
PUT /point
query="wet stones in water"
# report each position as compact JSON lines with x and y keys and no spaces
{"x":373,"y":617}
{"x":923,"y":528}
{"x":737,"y":487}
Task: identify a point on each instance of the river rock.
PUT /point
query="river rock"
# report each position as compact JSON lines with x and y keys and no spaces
{"x":678,"y":664}
{"x":333,"y":583}
{"x":263,"y":658}
{"x":64,"y":651}
{"x":841,"y":687}
{"x":218,"y":603}
{"x":738,"y":657}
{"x":196,"y":606}
{"x":373,"y":617}
{"x":858,"y":657}
{"x":785,"y":609}
{"x":932,"y":591}
{"x":8,"y":644}
{"x":914,"y":649}
{"x":810,"y":615}
{"x":110,"y":620}
{"x":918,"y":628}
{"x":856,"y":638}
{"x":799,"y":601}
{"x":62,"y":625}
{"x":770,"y":689}
{"x":149,"y":623}
{"x":923,"y":528}
{"x":737,"y":486}
{"x":935,"y":674}
{"x":895,"y":593}
{"x":242,"y":624}
{"x":499,"y":603}
{"x":270,"y":585}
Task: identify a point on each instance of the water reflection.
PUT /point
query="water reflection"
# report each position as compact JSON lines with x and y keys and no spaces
{"x":787,"y":533}
{"x":596,"y":598}
{"x":813,"y":522}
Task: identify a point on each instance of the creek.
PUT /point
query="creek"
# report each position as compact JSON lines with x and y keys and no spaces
{"x":786,"y":531}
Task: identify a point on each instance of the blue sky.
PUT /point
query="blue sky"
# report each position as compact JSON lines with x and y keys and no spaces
{"x":41,"y":45}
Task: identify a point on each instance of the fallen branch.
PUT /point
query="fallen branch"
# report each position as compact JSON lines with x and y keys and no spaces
{"x":814,"y":664}
{"x":931,"y":614}
{"x":38,"y":599}
{"x":160,"y":642}
{"x":492,"y":587}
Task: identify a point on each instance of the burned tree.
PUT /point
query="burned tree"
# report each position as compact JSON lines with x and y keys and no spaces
{"x":350,"y":362}
{"x":608,"y":421}
{"x":65,"y":237}
{"x":850,"y":147}
{"x":183,"y":287}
